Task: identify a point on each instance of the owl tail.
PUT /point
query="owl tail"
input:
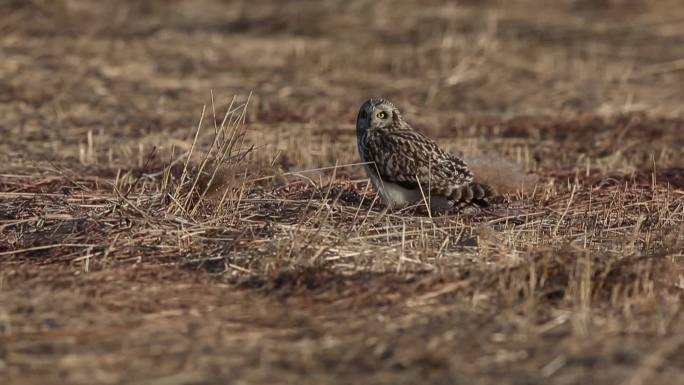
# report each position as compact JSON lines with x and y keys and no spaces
{"x":472,"y":194}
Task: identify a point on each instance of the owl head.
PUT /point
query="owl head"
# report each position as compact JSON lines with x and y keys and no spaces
{"x":377,"y":114}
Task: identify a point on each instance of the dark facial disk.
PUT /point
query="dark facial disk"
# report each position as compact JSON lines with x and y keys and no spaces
{"x":375,"y":113}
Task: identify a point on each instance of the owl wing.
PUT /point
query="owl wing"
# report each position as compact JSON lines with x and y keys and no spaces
{"x":408,"y":158}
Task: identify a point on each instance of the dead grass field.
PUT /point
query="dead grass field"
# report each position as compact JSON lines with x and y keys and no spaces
{"x":119,"y":266}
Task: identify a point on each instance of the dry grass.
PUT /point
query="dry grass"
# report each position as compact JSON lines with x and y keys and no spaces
{"x":154,"y":228}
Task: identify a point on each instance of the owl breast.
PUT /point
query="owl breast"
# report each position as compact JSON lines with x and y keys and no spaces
{"x":363,"y":148}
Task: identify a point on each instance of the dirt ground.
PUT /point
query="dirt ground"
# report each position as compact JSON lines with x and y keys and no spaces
{"x":181,"y":200}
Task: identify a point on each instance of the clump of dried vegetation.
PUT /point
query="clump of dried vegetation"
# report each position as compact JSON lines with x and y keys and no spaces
{"x":139,"y":245}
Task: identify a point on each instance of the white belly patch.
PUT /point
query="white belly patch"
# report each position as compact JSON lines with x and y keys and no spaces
{"x":396,"y":196}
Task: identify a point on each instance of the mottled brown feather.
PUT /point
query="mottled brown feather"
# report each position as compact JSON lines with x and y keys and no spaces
{"x":400,"y":155}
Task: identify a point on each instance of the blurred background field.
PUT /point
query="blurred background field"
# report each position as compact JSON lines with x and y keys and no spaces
{"x":117,"y":266}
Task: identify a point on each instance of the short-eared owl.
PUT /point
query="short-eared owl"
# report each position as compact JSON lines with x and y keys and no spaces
{"x":407,"y":167}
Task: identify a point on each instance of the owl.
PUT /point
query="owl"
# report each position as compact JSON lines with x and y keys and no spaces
{"x":408,"y":168}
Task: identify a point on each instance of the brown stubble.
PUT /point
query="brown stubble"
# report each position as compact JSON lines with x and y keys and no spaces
{"x":122,"y":261}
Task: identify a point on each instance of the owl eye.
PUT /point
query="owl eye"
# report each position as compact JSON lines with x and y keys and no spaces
{"x":381,"y":115}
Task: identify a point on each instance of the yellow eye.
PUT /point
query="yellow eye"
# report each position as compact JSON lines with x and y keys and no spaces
{"x":381,"y":115}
